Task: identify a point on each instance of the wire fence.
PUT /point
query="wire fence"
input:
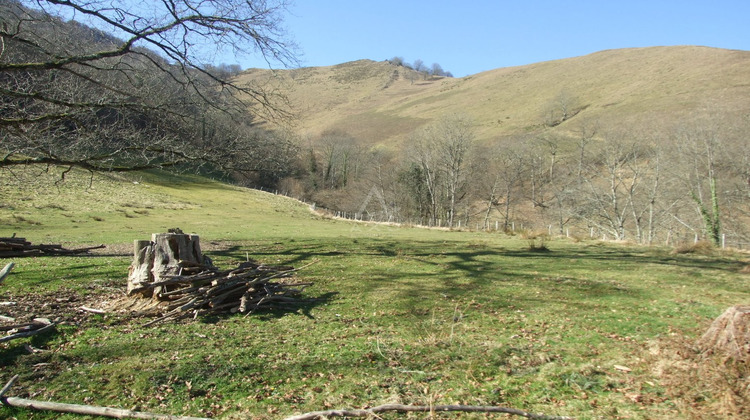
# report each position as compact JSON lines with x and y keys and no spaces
{"x":492,"y":225}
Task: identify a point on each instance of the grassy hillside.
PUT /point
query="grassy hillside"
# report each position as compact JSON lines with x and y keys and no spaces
{"x":377,"y":102}
{"x":404,"y":315}
{"x":113,"y":208}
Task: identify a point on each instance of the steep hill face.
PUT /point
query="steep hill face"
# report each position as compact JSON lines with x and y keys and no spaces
{"x":380,"y":103}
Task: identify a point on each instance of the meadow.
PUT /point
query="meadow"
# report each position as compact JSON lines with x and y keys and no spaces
{"x":396,"y":314}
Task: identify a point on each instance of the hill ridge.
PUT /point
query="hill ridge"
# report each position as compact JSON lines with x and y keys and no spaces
{"x":377,"y":102}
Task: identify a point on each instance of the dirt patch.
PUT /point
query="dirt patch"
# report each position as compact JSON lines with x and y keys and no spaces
{"x":60,"y":306}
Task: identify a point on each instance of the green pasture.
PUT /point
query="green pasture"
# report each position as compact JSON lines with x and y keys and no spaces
{"x":401,"y":314}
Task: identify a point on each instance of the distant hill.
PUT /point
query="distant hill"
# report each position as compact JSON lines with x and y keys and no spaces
{"x":381,"y":103}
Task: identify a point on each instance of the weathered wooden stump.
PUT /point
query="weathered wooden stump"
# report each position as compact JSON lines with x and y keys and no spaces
{"x":729,"y":335}
{"x":165,"y":255}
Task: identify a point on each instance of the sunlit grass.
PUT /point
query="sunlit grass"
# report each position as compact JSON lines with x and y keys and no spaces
{"x":403,"y":315}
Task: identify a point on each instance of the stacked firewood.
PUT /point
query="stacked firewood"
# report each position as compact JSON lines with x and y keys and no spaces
{"x":243,"y":289}
{"x":14,"y":247}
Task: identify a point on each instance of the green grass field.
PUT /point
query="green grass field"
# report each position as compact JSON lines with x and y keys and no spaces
{"x":407,"y":315}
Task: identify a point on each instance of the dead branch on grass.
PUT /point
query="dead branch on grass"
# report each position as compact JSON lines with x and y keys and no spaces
{"x":424,"y":409}
{"x":6,"y":270}
{"x":37,"y":326}
{"x":89,"y":410}
{"x":14,"y":247}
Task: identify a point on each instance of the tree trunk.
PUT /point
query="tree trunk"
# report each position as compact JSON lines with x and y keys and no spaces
{"x":167,"y":254}
{"x":729,"y":335}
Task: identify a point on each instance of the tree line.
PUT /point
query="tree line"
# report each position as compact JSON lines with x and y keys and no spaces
{"x":420,"y":67}
{"x":649,"y":186}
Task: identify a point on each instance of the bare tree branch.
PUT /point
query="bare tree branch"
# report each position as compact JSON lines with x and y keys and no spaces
{"x":71,"y":94}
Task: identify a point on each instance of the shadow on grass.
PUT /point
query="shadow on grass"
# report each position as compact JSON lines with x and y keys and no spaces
{"x":16,"y":349}
{"x":418,"y":271}
{"x":268,"y":254}
{"x":303,"y":306}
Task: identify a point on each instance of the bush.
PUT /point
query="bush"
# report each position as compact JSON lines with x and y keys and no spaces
{"x":537,"y":240}
{"x":700,"y":247}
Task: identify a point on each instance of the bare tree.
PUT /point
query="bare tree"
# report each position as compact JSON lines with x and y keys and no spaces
{"x":340,"y":157}
{"x":379,"y":182}
{"x":440,"y":152}
{"x":424,"y":174}
{"x":419,"y":65}
{"x":562,"y":108}
{"x":397,"y":61}
{"x":106,"y":86}
{"x":437,"y":70}
{"x":455,"y":135}
{"x":610,"y":185}
{"x":699,"y":148}
{"x":502,"y":174}
{"x":552,"y":190}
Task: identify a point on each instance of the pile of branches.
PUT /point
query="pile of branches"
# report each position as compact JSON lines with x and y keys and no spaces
{"x":19,"y":247}
{"x":243,"y":289}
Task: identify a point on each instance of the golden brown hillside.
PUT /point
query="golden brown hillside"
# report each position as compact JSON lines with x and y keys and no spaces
{"x":377,"y":102}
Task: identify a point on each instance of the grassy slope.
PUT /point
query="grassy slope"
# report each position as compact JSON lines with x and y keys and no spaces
{"x":640,"y":87}
{"x":405,"y":315}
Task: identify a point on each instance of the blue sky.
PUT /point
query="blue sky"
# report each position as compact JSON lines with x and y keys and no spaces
{"x":472,"y":36}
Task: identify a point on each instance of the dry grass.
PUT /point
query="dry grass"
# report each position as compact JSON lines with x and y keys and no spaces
{"x":537,"y":240}
{"x":700,"y":247}
{"x":379,"y":103}
{"x":699,"y":387}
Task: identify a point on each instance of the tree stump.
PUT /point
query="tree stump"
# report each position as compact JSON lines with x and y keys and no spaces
{"x":729,"y":335}
{"x":165,"y":255}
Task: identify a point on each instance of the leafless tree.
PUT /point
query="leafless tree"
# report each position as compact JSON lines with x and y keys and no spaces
{"x":562,"y":108}
{"x":700,"y":150}
{"x":419,"y":65}
{"x":397,"y":61}
{"x":105,"y":85}
{"x":440,"y":152}
{"x":500,"y":173}
{"x":610,"y":185}
{"x":551,"y":188}
{"x":340,"y":156}
{"x":437,"y":70}
{"x":424,"y":174}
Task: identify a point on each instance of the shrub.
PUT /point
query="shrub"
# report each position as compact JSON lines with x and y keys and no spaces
{"x":537,"y":240}
{"x":700,"y":247}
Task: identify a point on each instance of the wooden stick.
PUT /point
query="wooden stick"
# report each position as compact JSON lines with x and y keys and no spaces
{"x":92,"y":310}
{"x":90,"y":410}
{"x":27,"y":333}
{"x":81,"y":250}
{"x":22,"y":327}
{"x":8,"y":385}
{"x":5,"y":271}
{"x":422,"y":408}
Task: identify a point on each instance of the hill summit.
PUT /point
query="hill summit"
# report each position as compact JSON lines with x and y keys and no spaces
{"x":377,"y":102}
